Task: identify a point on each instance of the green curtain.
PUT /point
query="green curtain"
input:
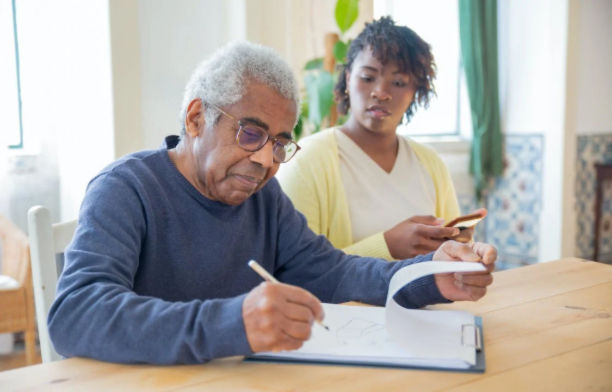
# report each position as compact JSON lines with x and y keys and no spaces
{"x":478,"y":35}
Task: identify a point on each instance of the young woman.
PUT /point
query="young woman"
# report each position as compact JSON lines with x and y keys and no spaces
{"x":368,"y":190}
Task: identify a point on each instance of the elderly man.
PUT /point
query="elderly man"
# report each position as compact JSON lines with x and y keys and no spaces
{"x":157,"y":272}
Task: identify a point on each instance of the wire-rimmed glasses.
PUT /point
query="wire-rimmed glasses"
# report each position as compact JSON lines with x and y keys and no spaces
{"x":253,"y":138}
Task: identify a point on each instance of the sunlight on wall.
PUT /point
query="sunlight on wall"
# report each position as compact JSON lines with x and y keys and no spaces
{"x":67,"y":89}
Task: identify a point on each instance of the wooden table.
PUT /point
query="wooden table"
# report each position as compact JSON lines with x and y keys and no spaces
{"x":548,"y":327}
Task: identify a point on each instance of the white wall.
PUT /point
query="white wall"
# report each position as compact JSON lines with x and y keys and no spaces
{"x":126,"y":74}
{"x":312,"y":19}
{"x":588,"y":96}
{"x":532,"y":57}
{"x":67,"y":88}
{"x":296,"y":28}
{"x":9,"y":122}
{"x":110,"y":74}
{"x":525,"y":38}
{"x":555,"y":79}
{"x":104,"y":78}
{"x":156,"y":44}
{"x":100,"y":79}
{"x":594,"y":68}
{"x":174,"y":37}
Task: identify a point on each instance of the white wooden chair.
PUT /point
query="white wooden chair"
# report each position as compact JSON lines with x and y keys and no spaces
{"x":47,"y":244}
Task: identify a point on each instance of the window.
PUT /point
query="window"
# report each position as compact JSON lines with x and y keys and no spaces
{"x":11,"y":131}
{"x":437,"y":22}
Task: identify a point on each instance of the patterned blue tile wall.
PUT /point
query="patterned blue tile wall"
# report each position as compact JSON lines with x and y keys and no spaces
{"x":514,"y":204}
{"x":593,"y":149}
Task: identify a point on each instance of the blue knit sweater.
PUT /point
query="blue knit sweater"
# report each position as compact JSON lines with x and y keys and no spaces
{"x":157,"y":273}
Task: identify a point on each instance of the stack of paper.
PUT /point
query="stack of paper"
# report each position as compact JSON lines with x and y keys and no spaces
{"x":394,"y":335}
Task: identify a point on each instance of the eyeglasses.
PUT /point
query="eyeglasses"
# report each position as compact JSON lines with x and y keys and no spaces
{"x":253,"y":138}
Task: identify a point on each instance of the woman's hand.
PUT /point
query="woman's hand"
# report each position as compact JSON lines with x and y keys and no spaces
{"x":418,"y":235}
{"x":467,"y":235}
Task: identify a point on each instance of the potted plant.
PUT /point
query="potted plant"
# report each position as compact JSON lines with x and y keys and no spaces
{"x":320,"y":74}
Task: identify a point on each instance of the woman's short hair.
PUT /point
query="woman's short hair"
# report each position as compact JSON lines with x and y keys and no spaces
{"x":392,"y":44}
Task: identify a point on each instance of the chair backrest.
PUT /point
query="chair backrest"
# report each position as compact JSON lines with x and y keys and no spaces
{"x":47,"y":242}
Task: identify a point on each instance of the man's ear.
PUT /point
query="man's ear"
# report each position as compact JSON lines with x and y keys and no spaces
{"x":347,"y":77}
{"x":194,"y":120}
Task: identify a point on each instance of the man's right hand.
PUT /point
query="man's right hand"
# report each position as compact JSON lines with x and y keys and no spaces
{"x":279,"y":316}
{"x":418,"y":235}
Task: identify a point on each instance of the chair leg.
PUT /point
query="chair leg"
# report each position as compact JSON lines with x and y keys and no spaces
{"x":30,"y":346}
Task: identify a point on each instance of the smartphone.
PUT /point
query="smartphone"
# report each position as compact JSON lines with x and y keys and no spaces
{"x":463,"y":222}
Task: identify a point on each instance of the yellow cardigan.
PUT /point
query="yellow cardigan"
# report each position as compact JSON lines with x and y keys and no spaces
{"x":313,"y":182}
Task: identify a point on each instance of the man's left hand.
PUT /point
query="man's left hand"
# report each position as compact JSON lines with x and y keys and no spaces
{"x":465,"y":286}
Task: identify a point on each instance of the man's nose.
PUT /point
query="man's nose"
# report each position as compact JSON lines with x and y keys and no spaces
{"x":264,"y":156}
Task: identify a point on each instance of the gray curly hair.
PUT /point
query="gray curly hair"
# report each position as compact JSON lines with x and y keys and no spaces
{"x":222,"y":78}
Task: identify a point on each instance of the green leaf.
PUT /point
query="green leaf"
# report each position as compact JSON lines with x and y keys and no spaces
{"x":346,"y":13}
{"x":314,"y":64}
{"x":304,"y":110}
{"x":299,"y":129}
{"x":340,"y":49}
{"x":319,"y":87}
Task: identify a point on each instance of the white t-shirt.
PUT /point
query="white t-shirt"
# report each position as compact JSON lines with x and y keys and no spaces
{"x":379,"y":200}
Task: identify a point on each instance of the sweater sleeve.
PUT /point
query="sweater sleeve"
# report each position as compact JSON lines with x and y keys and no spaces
{"x":311,"y":262}
{"x":96,"y":314}
{"x":299,"y":185}
{"x":301,"y":192}
{"x":448,"y":202}
{"x":372,"y":246}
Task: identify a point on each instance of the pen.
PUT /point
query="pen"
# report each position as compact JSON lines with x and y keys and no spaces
{"x":268,"y":277}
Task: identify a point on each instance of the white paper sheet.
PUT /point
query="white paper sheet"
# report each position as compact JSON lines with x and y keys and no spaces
{"x":439,"y":332}
{"x":392,"y":335}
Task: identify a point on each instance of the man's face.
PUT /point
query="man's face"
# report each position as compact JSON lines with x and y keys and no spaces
{"x":224,"y":171}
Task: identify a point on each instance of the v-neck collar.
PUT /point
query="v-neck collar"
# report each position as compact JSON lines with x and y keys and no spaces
{"x":350,"y":143}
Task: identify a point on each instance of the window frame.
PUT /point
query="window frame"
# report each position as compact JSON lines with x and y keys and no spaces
{"x":20,"y":145}
{"x":460,"y":139}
